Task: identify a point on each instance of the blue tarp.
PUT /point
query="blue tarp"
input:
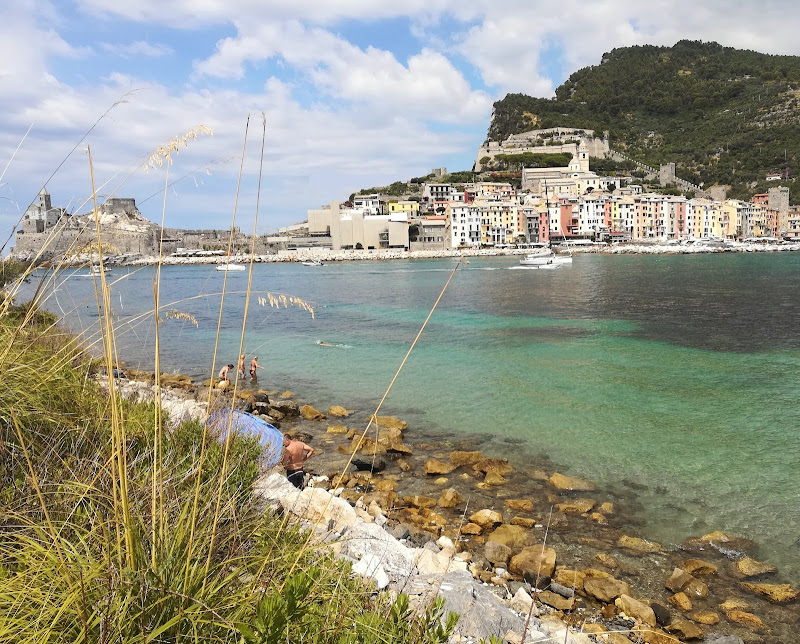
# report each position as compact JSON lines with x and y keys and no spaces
{"x":248,"y":425}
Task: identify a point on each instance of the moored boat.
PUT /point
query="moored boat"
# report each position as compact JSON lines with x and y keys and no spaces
{"x":230,"y":267}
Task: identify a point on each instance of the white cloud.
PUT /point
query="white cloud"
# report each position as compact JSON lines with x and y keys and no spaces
{"x":136,"y":49}
{"x":428,"y":87}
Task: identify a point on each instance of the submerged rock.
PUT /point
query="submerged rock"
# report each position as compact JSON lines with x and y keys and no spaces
{"x":309,"y":413}
{"x":458,"y":458}
{"x":534,"y":561}
{"x":638,"y":546}
{"x":523,"y":505}
{"x":449,"y":498}
{"x":486,"y":518}
{"x":699,"y":567}
{"x":748,"y":567}
{"x":392,"y":422}
{"x":576,"y":506}
{"x":686,"y":629}
{"x":635,"y":609}
{"x":434,"y":466}
{"x":570,"y":484}
{"x":512,"y":536}
{"x":681,"y":601}
{"x":341,"y":412}
{"x":778,"y":593}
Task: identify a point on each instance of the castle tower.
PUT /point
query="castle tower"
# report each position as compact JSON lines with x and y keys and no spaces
{"x":583,"y":155}
{"x":43,"y":200}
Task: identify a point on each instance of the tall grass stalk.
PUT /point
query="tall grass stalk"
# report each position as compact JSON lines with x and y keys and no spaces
{"x":201,"y":464}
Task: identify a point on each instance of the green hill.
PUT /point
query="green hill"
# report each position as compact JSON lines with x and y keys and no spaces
{"x":723,"y":115}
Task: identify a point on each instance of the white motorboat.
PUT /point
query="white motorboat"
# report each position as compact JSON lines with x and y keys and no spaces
{"x":545,"y":259}
{"x":313,"y":262}
{"x":96,"y":269}
{"x":230,"y":268}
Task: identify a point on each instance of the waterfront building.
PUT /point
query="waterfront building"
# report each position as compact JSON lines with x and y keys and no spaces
{"x":622,"y":214}
{"x":465,"y":225}
{"x":537,"y":224}
{"x":351,"y":228}
{"x":429,"y":233}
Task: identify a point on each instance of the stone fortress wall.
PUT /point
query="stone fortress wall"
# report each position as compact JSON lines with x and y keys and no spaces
{"x":535,"y":141}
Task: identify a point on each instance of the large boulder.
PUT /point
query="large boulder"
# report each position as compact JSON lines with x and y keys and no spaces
{"x":498,"y":466}
{"x":534,"y":561}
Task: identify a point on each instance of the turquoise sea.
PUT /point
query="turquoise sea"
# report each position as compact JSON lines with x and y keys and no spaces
{"x":677,"y":377}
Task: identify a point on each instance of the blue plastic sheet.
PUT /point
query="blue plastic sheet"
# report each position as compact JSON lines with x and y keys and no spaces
{"x":248,"y":425}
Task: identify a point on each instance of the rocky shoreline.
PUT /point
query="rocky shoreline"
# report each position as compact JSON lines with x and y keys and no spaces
{"x":489,"y":535}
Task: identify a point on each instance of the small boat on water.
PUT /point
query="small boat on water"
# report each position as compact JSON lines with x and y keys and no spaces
{"x":96,"y":269}
{"x":230,"y":268}
{"x":545,"y":259}
{"x":313,"y":262}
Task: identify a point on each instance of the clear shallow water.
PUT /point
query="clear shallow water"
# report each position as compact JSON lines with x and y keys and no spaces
{"x":678,"y":373}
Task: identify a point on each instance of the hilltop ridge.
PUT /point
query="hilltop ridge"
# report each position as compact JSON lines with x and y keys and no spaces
{"x":724,"y":116}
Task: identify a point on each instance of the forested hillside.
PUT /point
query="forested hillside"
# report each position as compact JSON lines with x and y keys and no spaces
{"x":723,"y":115}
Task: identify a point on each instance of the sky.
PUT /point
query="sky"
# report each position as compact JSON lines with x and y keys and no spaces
{"x":348,"y":94}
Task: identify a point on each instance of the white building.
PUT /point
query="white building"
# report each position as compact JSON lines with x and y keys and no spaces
{"x":465,"y":225}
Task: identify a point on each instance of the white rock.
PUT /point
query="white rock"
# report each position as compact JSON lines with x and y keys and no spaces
{"x":370,"y":566}
{"x":521,"y":602}
{"x":320,"y":507}
{"x":368,"y":538}
{"x":431,"y":563}
{"x":445,"y":542}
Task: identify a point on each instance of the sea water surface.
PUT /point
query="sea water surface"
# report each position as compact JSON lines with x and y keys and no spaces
{"x":677,"y":376}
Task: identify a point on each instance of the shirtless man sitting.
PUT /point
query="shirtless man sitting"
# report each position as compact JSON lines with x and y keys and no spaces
{"x":295,"y":454}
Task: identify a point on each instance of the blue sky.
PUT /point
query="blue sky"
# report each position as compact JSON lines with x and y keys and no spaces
{"x":356,"y":93}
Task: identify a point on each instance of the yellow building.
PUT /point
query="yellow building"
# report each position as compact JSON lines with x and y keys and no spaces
{"x":411,"y":208}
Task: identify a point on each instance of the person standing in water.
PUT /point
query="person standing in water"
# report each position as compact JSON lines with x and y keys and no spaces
{"x":253,"y":367}
{"x":240,"y":366}
{"x":295,"y":454}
